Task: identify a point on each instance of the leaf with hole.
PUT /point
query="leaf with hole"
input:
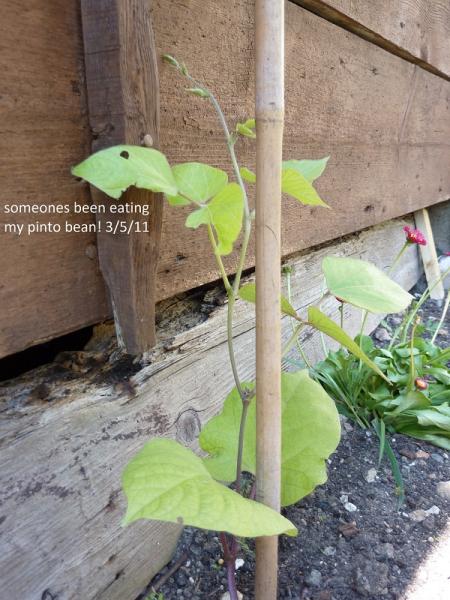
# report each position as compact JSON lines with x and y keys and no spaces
{"x":168,"y":482}
{"x":362,"y":284}
{"x":199,"y":182}
{"x":117,"y":168}
{"x":248,"y":293}
{"x":317,"y":319}
{"x":310,"y":433}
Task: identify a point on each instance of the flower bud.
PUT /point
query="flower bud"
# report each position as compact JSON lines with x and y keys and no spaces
{"x":420,"y":383}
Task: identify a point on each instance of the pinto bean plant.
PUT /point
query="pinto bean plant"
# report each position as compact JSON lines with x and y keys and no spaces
{"x":168,"y":482}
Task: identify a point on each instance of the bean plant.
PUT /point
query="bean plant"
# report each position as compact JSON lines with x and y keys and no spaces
{"x":166,"y":481}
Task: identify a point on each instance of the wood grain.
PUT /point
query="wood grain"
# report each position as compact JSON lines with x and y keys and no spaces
{"x":384,"y":121}
{"x":62,"y":457}
{"x":50,"y":283}
{"x":123,"y":100}
{"x":416,"y":30}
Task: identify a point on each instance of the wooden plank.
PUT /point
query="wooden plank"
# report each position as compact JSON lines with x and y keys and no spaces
{"x":416,"y":30}
{"x":429,"y":255}
{"x":384,"y":121}
{"x":123,"y":100}
{"x":62,"y":457}
{"x":50,"y":283}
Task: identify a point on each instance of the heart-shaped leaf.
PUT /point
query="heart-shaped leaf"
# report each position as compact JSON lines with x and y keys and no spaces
{"x":317,"y":319}
{"x":310,"y":433}
{"x":225,"y":213}
{"x":248,"y":293}
{"x":362,"y":284}
{"x":310,"y":169}
{"x":117,"y":168}
{"x":199,"y":182}
{"x":296,"y":185}
{"x":168,"y":482}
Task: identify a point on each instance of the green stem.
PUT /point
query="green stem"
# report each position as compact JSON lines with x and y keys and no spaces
{"x":442,"y":319}
{"x":295,"y":329}
{"x":219,"y":261}
{"x":411,"y":359}
{"x":398,"y":257}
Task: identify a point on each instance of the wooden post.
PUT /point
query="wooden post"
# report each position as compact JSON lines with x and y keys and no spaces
{"x":269,"y":125}
{"x":123,"y":101}
{"x":429,"y":255}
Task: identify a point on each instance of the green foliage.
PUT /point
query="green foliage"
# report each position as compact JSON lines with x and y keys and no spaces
{"x":362,"y":395}
{"x":247,"y":129}
{"x":248,"y":293}
{"x":224,"y":212}
{"x":310,"y":433}
{"x":116,"y":169}
{"x":296,"y":185}
{"x":310,"y":169}
{"x":362,"y":284}
{"x":317,"y":319}
{"x":168,"y":482}
{"x":199,"y":182}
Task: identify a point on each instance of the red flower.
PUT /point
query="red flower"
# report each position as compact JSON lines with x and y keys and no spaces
{"x":414,"y":236}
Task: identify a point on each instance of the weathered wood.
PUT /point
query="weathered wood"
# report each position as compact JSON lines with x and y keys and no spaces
{"x":384,"y":121}
{"x":429,"y":255}
{"x":416,"y":30}
{"x":50,"y":283}
{"x":67,"y":431}
{"x":123,"y":99}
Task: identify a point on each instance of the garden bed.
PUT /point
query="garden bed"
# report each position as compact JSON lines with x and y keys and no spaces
{"x":354,"y":541}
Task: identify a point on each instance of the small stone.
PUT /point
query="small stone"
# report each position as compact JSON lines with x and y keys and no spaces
{"x":314,"y":578}
{"x":407,"y":453}
{"x":350,"y":507}
{"x":371,"y":578}
{"x":371,"y":475}
{"x":418,"y":515}
{"x":349,"y":530}
{"x":239,"y":563}
{"x":226,"y":596}
{"x":382,"y":335}
{"x":344,"y":498}
{"x":429,"y":523}
{"x":329,"y":551}
{"x":443,"y":489}
{"x":422,"y":454}
{"x":323,"y":595}
{"x":385,"y":551}
{"x":433,"y":510}
{"x":437,"y":457}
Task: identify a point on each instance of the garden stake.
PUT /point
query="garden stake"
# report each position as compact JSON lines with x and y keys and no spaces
{"x":269,"y":124}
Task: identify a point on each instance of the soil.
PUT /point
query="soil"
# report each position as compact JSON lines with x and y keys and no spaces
{"x":354,"y":540}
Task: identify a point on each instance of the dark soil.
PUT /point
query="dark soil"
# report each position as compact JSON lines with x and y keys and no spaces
{"x":354,"y":541}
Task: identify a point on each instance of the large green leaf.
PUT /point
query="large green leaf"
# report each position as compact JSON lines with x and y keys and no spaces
{"x":248,"y":293}
{"x":310,"y":169}
{"x":317,"y":319}
{"x":117,"y":168}
{"x":297,"y":186}
{"x":362,"y":284}
{"x":310,"y":433}
{"x":168,"y":482}
{"x":199,"y":182}
{"x":225,"y":213}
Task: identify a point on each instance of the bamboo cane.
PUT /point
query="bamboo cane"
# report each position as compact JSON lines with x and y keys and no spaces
{"x":269,"y":123}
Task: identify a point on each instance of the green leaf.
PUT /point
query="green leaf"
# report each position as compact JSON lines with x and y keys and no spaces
{"x":117,"y":168}
{"x":360,"y":283}
{"x":317,"y":319}
{"x":247,"y":175}
{"x":226,"y":210}
{"x":297,"y":186}
{"x":178,"y":201}
{"x":168,"y":482}
{"x":248,"y":293}
{"x":310,"y":169}
{"x":410,"y":400}
{"x":198,"y":92}
{"x":310,"y":433}
{"x":247,"y":129}
{"x":198,"y":217}
{"x":436,"y":416}
{"x":199,"y":182}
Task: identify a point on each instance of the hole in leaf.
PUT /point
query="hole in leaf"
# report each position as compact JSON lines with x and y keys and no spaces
{"x":124,"y":154}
